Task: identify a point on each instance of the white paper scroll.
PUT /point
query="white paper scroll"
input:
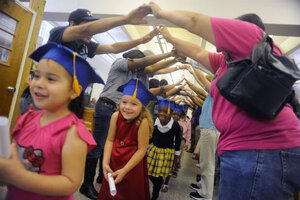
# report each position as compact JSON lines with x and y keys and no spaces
{"x":4,"y":138}
{"x":112,"y":186}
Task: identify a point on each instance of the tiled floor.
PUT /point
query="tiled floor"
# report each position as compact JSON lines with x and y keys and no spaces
{"x":179,"y":188}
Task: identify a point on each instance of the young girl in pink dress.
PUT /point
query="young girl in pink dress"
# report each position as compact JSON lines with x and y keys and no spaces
{"x":126,"y":145}
{"x":49,"y":146}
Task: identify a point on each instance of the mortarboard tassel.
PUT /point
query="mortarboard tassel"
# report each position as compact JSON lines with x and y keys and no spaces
{"x":169,"y":110}
{"x":135,"y":91}
{"x":75,"y":81}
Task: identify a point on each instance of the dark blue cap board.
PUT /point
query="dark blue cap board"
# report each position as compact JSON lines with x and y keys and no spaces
{"x":65,"y":57}
{"x":137,"y":89}
{"x":169,"y":103}
{"x":178,"y":108}
{"x":184,"y":106}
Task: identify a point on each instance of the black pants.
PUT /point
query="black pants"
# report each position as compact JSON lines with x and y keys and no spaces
{"x":157,"y":183}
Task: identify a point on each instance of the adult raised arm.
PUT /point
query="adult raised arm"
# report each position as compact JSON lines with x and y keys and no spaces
{"x":123,"y":46}
{"x":88,"y":29}
{"x":196,"y":23}
{"x":186,"y":48}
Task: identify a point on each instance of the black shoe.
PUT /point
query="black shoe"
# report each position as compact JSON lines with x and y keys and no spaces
{"x":198,"y":177}
{"x":197,"y":196}
{"x":191,"y":151}
{"x":88,"y":191}
{"x":194,"y":186}
{"x":99,"y":178}
{"x":174,"y":174}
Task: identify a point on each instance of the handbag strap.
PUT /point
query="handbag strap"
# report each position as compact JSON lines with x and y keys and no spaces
{"x":265,"y":38}
{"x":268,"y":39}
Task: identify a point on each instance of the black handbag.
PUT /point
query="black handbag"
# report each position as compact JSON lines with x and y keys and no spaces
{"x":261,"y":83}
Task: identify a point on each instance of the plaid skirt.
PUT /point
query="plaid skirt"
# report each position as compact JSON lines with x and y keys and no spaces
{"x":160,"y":161}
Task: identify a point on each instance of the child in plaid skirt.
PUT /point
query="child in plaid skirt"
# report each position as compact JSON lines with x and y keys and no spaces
{"x":162,"y":148}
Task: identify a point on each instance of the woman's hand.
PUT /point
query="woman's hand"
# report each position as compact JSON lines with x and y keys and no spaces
{"x":118,"y":175}
{"x":137,"y":15}
{"x":165,"y":32}
{"x":150,"y":35}
{"x":153,"y":8}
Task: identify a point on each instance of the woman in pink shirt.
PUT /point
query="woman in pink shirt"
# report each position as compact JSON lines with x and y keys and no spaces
{"x":259,"y":159}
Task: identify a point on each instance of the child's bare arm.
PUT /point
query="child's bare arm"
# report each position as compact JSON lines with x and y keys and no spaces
{"x":109,"y":144}
{"x":73,"y":154}
{"x":143,"y":139}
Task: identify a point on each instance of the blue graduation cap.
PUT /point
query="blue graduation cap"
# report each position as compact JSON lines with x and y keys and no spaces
{"x":137,"y":89}
{"x":75,"y":64}
{"x":169,"y":103}
{"x":184,"y":106}
{"x":178,"y":108}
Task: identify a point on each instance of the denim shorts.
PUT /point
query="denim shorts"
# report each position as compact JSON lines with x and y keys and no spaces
{"x":259,"y":174}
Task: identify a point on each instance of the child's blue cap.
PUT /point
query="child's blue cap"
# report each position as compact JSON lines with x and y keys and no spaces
{"x":178,"y":108}
{"x":169,"y":103}
{"x":137,"y":89}
{"x":65,"y":57}
{"x":185,"y":106}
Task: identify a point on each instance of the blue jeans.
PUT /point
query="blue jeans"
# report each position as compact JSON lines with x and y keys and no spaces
{"x":103,"y":113}
{"x":259,"y":174}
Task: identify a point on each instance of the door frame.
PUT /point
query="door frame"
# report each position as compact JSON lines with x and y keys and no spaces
{"x":24,"y":57}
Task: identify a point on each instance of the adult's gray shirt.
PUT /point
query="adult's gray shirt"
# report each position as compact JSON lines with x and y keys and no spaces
{"x":118,"y":75}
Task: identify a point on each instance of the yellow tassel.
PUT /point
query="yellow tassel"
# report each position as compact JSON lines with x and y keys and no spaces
{"x":135,"y":91}
{"x":169,"y":110}
{"x":75,"y":81}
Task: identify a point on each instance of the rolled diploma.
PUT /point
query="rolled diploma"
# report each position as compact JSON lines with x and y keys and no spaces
{"x":112,"y":186}
{"x":4,"y":138}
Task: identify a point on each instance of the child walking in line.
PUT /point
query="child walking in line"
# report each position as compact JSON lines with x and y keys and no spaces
{"x":162,"y":146}
{"x":49,"y":146}
{"x":126,"y":145}
{"x":177,"y":112}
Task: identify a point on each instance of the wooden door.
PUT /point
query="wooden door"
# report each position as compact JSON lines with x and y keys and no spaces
{"x":14,"y":27}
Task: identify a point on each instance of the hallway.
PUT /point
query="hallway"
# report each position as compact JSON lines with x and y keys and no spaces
{"x":179,"y":188}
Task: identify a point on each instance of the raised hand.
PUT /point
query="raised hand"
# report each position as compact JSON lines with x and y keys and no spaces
{"x":150,"y":35}
{"x":181,"y":59}
{"x":174,"y":52}
{"x":188,"y":67}
{"x":137,"y":15}
{"x":165,"y":32}
{"x":153,"y":8}
{"x":179,"y":81}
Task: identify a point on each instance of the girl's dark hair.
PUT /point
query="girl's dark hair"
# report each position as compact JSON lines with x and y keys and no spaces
{"x":252,"y":18}
{"x":77,"y":107}
{"x":163,"y":82}
{"x":153,"y":83}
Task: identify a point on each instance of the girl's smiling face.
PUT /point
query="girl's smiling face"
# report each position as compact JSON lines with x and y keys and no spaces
{"x":51,"y":87}
{"x":129,"y":108}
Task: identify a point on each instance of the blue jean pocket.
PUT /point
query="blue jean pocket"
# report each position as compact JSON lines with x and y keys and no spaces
{"x":290,"y":159}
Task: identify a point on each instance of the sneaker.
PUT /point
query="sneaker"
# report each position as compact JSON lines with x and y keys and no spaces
{"x":174,"y":174}
{"x":198,"y":177}
{"x":194,"y":186}
{"x":164,"y":188}
{"x":197,"y":196}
